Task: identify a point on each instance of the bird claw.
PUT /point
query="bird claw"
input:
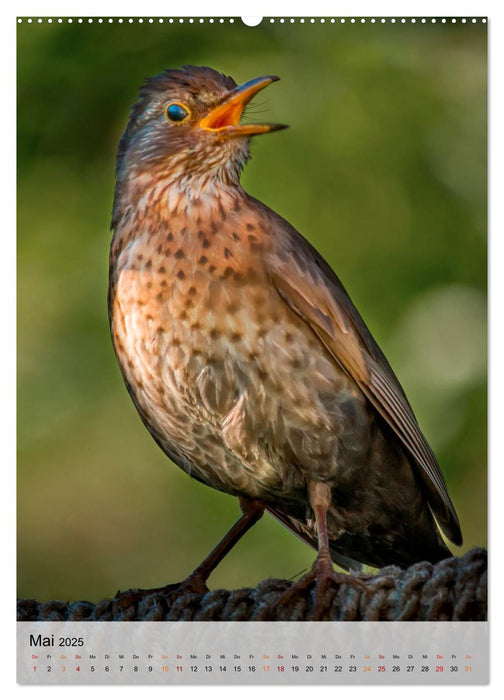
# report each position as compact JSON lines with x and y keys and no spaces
{"x":324,"y":582}
{"x":318,"y":581}
{"x":192,"y":584}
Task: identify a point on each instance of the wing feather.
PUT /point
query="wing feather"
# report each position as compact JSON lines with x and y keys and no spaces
{"x":312,"y":290}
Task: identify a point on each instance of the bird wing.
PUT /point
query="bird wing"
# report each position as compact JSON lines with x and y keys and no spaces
{"x":313,"y":291}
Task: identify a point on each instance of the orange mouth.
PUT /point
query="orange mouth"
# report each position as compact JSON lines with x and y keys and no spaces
{"x":225,"y":118}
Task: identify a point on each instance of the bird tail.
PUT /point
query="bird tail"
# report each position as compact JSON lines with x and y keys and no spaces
{"x":431,"y":549}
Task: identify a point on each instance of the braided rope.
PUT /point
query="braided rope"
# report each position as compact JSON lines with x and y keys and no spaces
{"x":453,"y":589}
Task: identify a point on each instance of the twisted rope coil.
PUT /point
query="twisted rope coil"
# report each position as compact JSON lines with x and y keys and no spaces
{"x":453,"y":589}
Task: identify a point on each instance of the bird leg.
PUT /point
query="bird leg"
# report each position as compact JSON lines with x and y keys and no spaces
{"x":252,"y":511}
{"x":319,"y":497}
{"x":322,"y":572}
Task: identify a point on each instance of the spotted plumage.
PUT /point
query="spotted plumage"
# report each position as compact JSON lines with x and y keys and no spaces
{"x":244,"y":355}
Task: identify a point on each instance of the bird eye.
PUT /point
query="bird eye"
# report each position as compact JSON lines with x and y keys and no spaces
{"x":177,"y":112}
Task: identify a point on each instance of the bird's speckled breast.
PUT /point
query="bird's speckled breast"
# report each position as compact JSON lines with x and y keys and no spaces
{"x":224,"y":374}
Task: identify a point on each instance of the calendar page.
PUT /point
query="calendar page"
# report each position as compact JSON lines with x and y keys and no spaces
{"x":252,"y":350}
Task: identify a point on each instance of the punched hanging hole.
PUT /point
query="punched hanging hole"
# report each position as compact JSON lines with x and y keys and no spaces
{"x":251,"y":21}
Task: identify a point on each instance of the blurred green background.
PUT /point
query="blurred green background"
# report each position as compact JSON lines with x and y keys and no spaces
{"x":383,"y":170}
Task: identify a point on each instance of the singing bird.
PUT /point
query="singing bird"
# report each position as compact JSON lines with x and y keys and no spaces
{"x":243,"y":353}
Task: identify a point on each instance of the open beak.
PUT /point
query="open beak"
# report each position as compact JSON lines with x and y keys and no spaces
{"x":225,"y":118}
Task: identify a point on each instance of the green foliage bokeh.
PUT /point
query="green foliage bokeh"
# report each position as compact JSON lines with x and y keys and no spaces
{"x":383,"y":170}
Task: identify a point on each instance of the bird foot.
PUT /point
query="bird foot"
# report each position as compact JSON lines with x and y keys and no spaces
{"x":192,"y":584}
{"x":321,"y":582}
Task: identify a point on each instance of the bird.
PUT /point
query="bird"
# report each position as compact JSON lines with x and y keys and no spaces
{"x":243,"y":353}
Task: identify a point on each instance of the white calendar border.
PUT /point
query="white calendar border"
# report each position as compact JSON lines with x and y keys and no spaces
{"x":247,"y":8}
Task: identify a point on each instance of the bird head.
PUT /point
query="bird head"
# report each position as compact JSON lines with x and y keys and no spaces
{"x":187,"y":125}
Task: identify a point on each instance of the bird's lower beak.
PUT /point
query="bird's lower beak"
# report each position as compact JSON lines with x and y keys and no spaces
{"x":225,"y":118}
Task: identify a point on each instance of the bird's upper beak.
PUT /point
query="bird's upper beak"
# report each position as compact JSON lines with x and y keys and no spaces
{"x":225,"y":117}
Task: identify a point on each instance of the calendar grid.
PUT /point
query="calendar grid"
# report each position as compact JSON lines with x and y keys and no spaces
{"x":252,"y":652}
